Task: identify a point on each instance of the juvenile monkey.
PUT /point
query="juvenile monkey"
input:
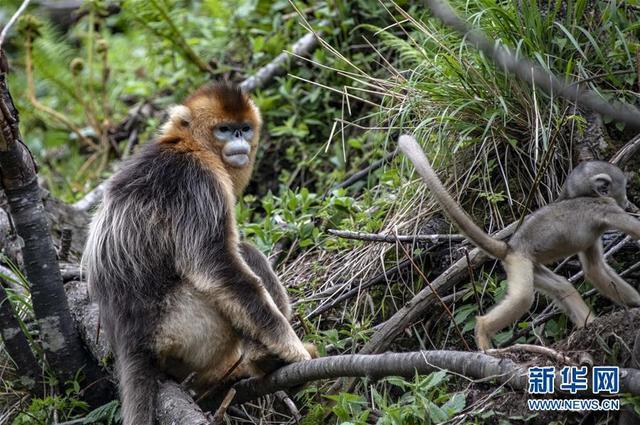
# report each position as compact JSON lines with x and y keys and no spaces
{"x":592,"y":203}
{"x":177,"y":291}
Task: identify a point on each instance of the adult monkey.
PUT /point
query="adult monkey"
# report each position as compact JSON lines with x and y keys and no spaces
{"x":177,"y":291}
{"x":594,"y":201}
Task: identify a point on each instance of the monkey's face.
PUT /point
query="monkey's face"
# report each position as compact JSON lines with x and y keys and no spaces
{"x":236,"y":139}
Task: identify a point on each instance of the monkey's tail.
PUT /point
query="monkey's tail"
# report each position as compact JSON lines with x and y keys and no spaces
{"x":138,"y":386}
{"x":412,"y":149}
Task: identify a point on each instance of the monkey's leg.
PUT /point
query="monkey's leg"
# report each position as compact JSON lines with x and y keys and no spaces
{"x":605,"y":279}
{"x":239,"y":295}
{"x":260,"y":266}
{"x":564,"y":294}
{"x":516,"y":302}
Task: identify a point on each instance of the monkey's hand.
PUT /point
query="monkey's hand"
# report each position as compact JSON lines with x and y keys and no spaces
{"x":266,"y":362}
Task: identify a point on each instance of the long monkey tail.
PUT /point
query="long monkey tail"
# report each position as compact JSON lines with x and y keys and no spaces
{"x":138,"y":386}
{"x":412,"y":149}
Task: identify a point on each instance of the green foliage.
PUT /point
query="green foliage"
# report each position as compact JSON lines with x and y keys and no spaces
{"x":425,"y":400}
{"x":42,"y":410}
{"x":106,"y":414}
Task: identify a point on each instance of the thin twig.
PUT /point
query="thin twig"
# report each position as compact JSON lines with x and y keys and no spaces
{"x":218,"y":417}
{"x":284,"y":397}
{"x":378,"y":237}
{"x":222,"y":380}
{"x":13,"y":20}
{"x":537,"y":349}
{"x":359,"y":175}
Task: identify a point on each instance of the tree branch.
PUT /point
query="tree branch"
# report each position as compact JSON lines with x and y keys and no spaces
{"x":472,"y":365}
{"x":14,"y":18}
{"x":377,"y":237}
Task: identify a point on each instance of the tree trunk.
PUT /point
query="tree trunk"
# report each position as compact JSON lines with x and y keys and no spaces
{"x":61,"y":343}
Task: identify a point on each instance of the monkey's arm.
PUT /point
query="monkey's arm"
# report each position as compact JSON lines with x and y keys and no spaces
{"x":625,"y":223}
{"x":259,"y":264}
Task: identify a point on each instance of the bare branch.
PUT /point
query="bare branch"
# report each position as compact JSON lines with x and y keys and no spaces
{"x":472,"y":365}
{"x":377,"y":237}
{"x":14,"y":18}
{"x":277,"y":66}
{"x":416,"y":309}
{"x":626,"y":152}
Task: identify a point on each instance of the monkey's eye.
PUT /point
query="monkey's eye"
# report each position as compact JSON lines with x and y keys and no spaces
{"x":246,"y":129}
{"x":224,"y":129}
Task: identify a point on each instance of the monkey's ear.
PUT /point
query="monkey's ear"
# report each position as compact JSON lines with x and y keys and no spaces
{"x":600,"y":184}
{"x":179,"y":116}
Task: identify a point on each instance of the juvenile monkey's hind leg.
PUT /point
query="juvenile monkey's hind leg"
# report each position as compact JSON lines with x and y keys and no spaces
{"x":564,"y":295}
{"x":605,"y":279}
{"x":516,"y":302}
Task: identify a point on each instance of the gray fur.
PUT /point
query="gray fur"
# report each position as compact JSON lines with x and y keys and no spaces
{"x":161,"y":251}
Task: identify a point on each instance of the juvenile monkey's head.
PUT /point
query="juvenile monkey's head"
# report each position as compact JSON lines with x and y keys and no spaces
{"x":222,"y":118}
{"x":597,"y":178}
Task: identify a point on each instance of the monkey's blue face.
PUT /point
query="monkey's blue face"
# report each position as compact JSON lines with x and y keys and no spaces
{"x":237,"y":142}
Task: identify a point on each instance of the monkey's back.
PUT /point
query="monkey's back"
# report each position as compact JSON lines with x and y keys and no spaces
{"x":135,"y":251}
{"x":545,"y":237}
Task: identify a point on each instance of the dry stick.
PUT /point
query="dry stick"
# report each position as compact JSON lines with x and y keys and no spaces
{"x":378,"y":237}
{"x":284,"y":397}
{"x":527,"y":71}
{"x":537,"y":349}
{"x":218,"y":417}
{"x":472,"y":365}
{"x":277,"y":66}
{"x":626,"y":152}
{"x":359,"y":175}
{"x":377,"y":280}
{"x":264,"y":75}
{"x":473,"y":283}
{"x":223,"y":379}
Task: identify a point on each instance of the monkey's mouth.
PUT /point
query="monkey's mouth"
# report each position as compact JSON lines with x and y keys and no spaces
{"x":237,"y":160}
{"x":236,"y":154}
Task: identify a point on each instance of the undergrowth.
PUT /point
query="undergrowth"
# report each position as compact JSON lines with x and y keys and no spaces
{"x":502,"y":145}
